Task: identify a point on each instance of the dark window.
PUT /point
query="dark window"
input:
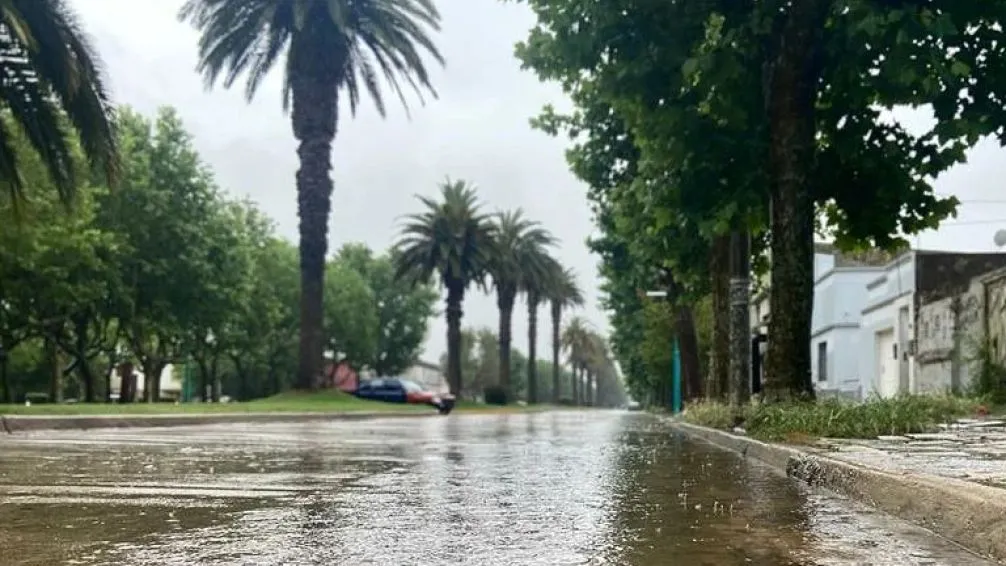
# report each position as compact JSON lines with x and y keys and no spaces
{"x":822,"y":361}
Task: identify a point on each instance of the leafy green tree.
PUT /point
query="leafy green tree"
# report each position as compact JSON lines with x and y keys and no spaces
{"x":226,"y":283}
{"x":164,"y":212}
{"x":562,"y":293}
{"x":734,"y":103}
{"x":352,"y":323}
{"x":263,"y":341}
{"x":519,"y":259}
{"x":403,"y":310}
{"x":452,"y":239}
{"x":57,"y":272}
{"x":331,"y":47}
{"x":52,"y":80}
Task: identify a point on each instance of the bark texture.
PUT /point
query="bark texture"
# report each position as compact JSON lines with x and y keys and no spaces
{"x":504,"y":300}
{"x":688,"y":349}
{"x":792,"y":88}
{"x":532,"y":348}
{"x":314,"y":77}
{"x":455,"y":296}
{"x":719,"y":353}
{"x":556,"y":309}
{"x":740,"y":317}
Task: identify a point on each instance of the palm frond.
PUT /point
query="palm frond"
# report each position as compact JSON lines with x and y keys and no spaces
{"x":52,"y":83}
{"x":369,"y":40}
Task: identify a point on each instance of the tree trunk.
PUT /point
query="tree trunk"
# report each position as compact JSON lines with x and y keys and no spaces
{"x":719,"y":353}
{"x":87,"y":379}
{"x":576,"y":383}
{"x":152,"y":370}
{"x":455,"y":296}
{"x":215,"y":375}
{"x":688,"y":349}
{"x":505,"y":300}
{"x":313,"y":82}
{"x":55,"y":370}
{"x":556,"y":348}
{"x":740,"y":317}
{"x":792,"y":89}
{"x":204,"y":379}
{"x":8,"y":392}
{"x":532,"y":348}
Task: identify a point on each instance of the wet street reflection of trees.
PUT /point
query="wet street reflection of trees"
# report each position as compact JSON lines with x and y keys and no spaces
{"x":673,"y":497}
{"x":589,"y":488}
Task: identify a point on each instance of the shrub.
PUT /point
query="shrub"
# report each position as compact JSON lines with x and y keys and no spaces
{"x":496,"y":395}
{"x":835,"y":418}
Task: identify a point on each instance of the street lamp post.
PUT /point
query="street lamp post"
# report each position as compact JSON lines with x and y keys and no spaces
{"x":675,"y":362}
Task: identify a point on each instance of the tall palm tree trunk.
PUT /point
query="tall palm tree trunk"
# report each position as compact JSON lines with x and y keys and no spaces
{"x":532,"y":348}
{"x":556,"y":348}
{"x":455,"y":296}
{"x":505,"y":304}
{"x":792,"y":90}
{"x":315,"y":114}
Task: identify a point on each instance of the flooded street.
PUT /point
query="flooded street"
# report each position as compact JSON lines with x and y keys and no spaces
{"x":563,"y":488}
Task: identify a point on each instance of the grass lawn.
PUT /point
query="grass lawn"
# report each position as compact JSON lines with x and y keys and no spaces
{"x":290,"y":402}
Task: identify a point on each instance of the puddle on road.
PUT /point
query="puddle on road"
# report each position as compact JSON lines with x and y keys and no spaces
{"x":481,"y":490}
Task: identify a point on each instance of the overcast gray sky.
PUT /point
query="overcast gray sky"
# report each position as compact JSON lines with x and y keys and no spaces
{"x":478,"y":130}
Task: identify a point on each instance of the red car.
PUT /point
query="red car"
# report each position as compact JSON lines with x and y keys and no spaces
{"x":398,"y":390}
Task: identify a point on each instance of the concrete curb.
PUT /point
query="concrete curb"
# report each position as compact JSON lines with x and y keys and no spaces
{"x":966,"y":513}
{"x":12,"y":424}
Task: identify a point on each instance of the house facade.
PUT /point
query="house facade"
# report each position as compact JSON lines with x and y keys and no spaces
{"x":839,"y":297}
{"x":962,"y":310}
{"x":889,"y":325}
{"x":908,"y":338}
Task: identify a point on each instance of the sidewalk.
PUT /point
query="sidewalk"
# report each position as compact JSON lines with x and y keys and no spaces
{"x":969,"y":450}
{"x":952,"y":483}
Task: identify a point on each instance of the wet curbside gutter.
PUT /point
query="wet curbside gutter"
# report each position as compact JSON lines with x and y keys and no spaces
{"x":969,"y":514}
{"x":13,"y":424}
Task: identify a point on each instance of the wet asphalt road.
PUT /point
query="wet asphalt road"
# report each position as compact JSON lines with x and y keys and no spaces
{"x":562,"y":488}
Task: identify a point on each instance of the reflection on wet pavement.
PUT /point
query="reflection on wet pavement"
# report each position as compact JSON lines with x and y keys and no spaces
{"x":595,"y":488}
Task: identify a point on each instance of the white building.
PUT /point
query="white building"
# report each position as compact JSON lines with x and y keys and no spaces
{"x":839,"y":297}
{"x":888,"y":331}
{"x":171,"y":382}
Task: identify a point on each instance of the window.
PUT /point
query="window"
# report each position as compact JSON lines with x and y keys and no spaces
{"x":822,"y":361}
{"x":411,"y":386}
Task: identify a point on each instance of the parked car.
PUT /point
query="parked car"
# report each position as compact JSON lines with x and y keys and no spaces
{"x":398,"y":390}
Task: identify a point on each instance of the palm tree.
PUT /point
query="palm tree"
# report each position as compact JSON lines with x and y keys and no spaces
{"x":52,"y":77}
{"x":328,"y":47}
{"x":562,"y":293}
{"x":518,"y":255}
{"x":452,"y":239}
{"x":577,"y":341}
{"x":596,"y":359}
{"x":536,"y":282}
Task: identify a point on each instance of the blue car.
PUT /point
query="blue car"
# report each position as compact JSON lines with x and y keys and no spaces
{"x":398,"y":390}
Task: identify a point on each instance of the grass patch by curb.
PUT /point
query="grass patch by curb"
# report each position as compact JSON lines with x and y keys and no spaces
{"x":289,"y":402}
{"x":800,"y":422}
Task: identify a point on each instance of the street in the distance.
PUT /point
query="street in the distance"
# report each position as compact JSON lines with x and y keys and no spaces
{"x":551,"y":488}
